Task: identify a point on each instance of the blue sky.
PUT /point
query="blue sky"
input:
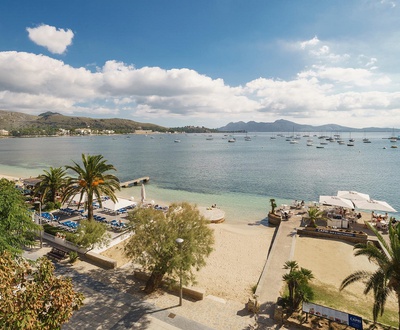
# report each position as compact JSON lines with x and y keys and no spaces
{"x":206,"y":63}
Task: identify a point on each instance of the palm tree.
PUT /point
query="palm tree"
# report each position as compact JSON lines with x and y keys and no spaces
{"x":386,"y":278}
{"x":52,"y":182}
{"x":92,"y":181}
{"x":314,"y":214}
{"x":297,"y":281}
{"x":273,"y":205}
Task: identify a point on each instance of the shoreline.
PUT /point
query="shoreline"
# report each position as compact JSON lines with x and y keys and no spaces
{"x":10,"y":178}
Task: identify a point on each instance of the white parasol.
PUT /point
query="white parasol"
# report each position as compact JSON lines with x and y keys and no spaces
{"x":120,"y":204}
{"x":143,"y":193}
{"x":353,"y":195}
{"x":77,"y":197}
{"x":336,"y":201}
{"x":374,"y":205}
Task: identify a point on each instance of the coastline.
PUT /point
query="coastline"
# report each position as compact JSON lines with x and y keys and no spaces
{"x":9,"y":177}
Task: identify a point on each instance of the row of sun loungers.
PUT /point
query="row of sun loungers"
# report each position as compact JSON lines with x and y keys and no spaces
{"x":48,"y":217}
{"x":99,"y":218}
{"x":71,"y":226}
{"x":70,"y":211}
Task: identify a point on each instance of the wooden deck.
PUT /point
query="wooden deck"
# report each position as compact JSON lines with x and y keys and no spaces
{"x":135,"y":182}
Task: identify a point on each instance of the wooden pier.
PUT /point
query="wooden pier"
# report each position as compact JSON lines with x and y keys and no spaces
{"x":134,"y":182}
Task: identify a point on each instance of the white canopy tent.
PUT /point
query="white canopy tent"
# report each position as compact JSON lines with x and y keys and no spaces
{"x":374,"y":205}
{"x":76,"y":198}
{"x":336,"y":201}
{"x":120,"y":204}
{"x":353,"y":195}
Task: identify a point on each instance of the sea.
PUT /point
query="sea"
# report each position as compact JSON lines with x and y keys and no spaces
{"x":239,"y":177}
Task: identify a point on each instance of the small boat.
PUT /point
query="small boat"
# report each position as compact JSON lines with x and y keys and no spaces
{"x":209,"y":138}
{"x":177,"y":141}
{"x":320,"y":147}
{"x":365,"y":139}
{"x":247,"y":138}
{"x":350,"y":144}
{"x":393,"y":146}
{"x":351,"y":140}
{"x":393,"y":138}
{"x":232,"y":140}
{"x":293,"y":142}
{"x":340,"y":141}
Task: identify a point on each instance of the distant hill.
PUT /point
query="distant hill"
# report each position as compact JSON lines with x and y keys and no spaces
{"x":288,"y":126}
{"x":12,"y":121}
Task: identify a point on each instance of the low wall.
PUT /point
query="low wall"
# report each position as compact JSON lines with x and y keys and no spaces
{"x":194,"y":293}
{"x":100,"y":260}
{"x":95,"y":258}
{"x":341,"y":234}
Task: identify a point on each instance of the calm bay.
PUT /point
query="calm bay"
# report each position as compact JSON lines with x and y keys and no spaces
{"x":239,"y":177}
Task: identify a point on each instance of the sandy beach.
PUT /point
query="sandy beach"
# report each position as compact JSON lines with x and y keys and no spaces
{"x":8,"y":177}
{"x":235,"y":265}
{"x":240,"y":252}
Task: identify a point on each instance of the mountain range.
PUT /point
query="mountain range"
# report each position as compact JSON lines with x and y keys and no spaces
{"x":282,"y":125}
{"x":17,"y":121}
{"x":49,"y":122}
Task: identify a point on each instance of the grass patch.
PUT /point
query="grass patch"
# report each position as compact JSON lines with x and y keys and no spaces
{"x":53,"y":230}
{"x":330,"y":296}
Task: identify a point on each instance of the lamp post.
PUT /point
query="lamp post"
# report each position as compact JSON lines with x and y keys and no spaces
{"x":40,"y":222}
{"x":179,"y":241}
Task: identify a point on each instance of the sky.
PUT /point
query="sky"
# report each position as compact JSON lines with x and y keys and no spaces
{"x":204,"y":63}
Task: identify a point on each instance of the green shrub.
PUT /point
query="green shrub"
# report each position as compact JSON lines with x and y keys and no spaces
{"x":73,"y":256}
{"x":50,"y":206}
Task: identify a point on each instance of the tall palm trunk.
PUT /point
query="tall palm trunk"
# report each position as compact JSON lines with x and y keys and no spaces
{"x":89,"y":202}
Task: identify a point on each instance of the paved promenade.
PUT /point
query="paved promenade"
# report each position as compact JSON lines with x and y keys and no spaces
{"x":271,"y":283}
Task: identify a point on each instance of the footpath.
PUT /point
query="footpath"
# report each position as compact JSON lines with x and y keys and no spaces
{"x":270,"y":283}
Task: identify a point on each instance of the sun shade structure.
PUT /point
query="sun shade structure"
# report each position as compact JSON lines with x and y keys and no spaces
{"x":353,"y":195}
{"x":374,"y":205}
{"x":336,"y":201}
{"x":120,"y":204}
{"x":143,"y":193}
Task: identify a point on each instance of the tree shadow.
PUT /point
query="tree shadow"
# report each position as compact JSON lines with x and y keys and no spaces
{"x":263,"y":222}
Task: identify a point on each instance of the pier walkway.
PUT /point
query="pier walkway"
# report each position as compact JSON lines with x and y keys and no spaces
{"x":271,"y":283}
{"x":134,"y":182}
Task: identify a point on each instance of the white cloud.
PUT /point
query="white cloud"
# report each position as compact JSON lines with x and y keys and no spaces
{"x":37,"y":83}
{"x":55,"y":40}
{"x":312,"y":42}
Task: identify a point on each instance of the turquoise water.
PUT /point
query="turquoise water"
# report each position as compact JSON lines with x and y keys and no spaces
{"x":239,"y":177}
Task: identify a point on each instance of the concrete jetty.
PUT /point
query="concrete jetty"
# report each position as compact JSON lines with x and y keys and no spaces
{"x":135,"y":182}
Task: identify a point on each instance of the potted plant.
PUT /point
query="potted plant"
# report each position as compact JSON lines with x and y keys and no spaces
{"x":273,"y":218}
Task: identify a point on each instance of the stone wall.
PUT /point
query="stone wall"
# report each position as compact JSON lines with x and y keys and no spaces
{"x":347,"y":235}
